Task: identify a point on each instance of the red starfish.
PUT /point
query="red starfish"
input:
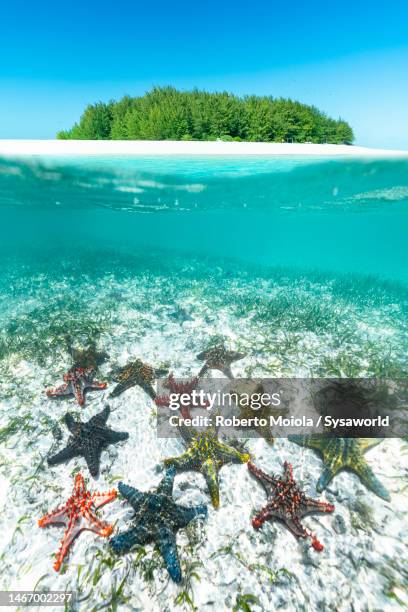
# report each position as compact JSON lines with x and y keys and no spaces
{"x":180,"y":388}
{"x":76,"y":381}
{"x":78,"y":514}
{"x":287,"y":503}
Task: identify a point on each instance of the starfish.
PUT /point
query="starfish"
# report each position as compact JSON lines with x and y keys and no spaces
{"x":343,"y":453}
{"x":219,"y":358}
{"x":287,"y":503}
{"x":89,"y":357}
{"x":180,"y":388}
{"x":136,"y":373}
{"x":78,"y":514}
{"x":206,"y":454}
{"x":88,"y":440}
{"x":76,"y":381}
{"x":157,"y":519}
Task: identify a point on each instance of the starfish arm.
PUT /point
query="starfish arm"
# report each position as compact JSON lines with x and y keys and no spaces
{"x":228,"y":454}
{"x":78,"y":389}
{"x":260,"y":517}
{"x":100,"y":499}
{"x":166,"y":485}
{"x":366,"y":443}
{"x":162,"y":400}
{"x":96,"y":525}
{"x":64,"y":455}
{"x":295,"y":527}
{"x":186,"y":461}
{"x":148,"y":388}
{"x":310,"y":441}
{"x":265,"y":480}
{"x":132,"y":495}
{"x":100,"y":419}
{"x":60,"y":391}
{"x":187,"y":433}
{"x":124,"y":542}
{"x":326,"y":476}
{"x":210,"y":473}
{"x":166,"y":543}
{"x":185,"y":515}
{"x":71,"y":423}
{"x":59,"y":516}
{"x":79,"y":486}
{"x":122,"y":387}
{"x":92,"y":455}
{"x":111,"y":435}
{"x":312,"y":506}
{"x":95,"y":384}
{"x":370,"y":480}
{"x":160,"y":372}
{"x":69,"y":536}
{"x":117,"y":372}
{"x":203,"y":370}
{"x":226,"y":370}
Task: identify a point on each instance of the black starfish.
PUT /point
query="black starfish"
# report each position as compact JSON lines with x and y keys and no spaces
{"x":219,"y":358}
{"x":88,"y":440}
{"x":136,"y":373}
{"x":157,"y":519}
{"x":287,"y":503}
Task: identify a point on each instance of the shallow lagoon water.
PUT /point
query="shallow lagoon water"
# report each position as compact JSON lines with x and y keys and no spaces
{"x":299,"y":263}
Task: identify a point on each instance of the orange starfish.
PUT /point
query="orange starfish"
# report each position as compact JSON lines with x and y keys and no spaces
{"x":78,"y":514}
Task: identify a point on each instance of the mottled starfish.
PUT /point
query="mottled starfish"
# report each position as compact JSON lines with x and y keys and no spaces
{"x":88,"y":440}
{"x":287,"y":503}
{"x":206,"y":454}
{"x":76,"y":382}
{"x":219,"y":358}
{"x":157,"y":519}
{"x":78,"y":514}
{"x":136,"y":373}
{"x":343,"y":453}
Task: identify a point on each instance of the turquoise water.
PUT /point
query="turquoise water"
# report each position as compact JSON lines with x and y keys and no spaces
{"x":334,"y":215}
{"x":300,"y":264}
{"x":321,"y":239}
{"x":338,"y":215}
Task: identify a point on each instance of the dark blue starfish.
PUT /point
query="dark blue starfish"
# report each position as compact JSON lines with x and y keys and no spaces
{"x":157,"y":520}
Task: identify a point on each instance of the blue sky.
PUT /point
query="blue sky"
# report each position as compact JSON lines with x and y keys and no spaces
{"x":350,"y":59}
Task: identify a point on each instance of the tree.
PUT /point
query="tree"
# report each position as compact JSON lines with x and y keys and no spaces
{"x":165,"y":113}
{"x":94,"y":124}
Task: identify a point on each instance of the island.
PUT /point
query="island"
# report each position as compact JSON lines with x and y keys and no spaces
{"x":164,"y":113}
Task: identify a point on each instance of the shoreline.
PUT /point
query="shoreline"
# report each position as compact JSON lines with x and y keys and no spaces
{"x":147,"y":148}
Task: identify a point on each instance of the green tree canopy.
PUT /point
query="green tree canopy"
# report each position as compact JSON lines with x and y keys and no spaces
{"x":164,"y":113}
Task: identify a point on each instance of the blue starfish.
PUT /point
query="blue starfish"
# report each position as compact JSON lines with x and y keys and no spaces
{"x":157,"y":519}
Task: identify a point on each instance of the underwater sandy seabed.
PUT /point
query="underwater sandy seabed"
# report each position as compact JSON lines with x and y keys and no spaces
{"x":166,"y":311}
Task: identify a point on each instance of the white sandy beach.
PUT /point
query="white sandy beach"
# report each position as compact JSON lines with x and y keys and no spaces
{"x":187,"y":148}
